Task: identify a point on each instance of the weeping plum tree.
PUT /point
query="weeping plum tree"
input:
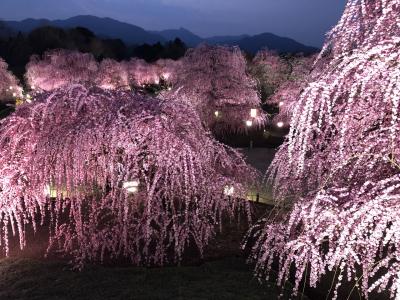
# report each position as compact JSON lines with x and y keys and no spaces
{"x":168,"y":70}
{"x":270,"y":71}
{"x":112,"y":75}
{"x":117,"y":175}
{"x":288,"y":91}
{"x":142,"y":73}
{"x":341,"y":163}
{"x":280,"y":80}
{"x":60,"y":67}
{"x":214,"y":80}
{"x":7,"y":80}
{"x":285,"y":99}
{"x":161,"y":74}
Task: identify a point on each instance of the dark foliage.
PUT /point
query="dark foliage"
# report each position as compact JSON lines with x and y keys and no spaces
{"x":173,"y":49}
{"x":17,"y":49}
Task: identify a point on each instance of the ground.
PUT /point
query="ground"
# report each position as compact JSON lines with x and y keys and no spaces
{"x":229,"y":278}
{"x":259,"y":158}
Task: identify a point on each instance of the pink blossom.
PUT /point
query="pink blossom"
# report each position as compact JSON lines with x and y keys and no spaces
{"x":8,"y":82}
{"x":117,"y":175}
{"x":340,"y":164}
{"x":214,"y":80}
{"x":112,"y":75}
{"x":60,"y":67}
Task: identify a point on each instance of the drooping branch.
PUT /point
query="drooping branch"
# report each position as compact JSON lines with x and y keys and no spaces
{"x":9,"y":85}
{"x":340,"y":162}
{"x":119,"y":174}
{"x":60,"y":67}
{"x":214,"y":80}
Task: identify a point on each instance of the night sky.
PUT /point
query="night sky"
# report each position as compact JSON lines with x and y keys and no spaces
{"x":304,"y":20}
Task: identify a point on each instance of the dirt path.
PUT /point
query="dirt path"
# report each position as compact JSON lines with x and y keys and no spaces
{"x":259,"y":158}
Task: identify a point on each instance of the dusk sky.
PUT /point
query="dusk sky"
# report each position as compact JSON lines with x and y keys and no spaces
{"x":304,"y":20}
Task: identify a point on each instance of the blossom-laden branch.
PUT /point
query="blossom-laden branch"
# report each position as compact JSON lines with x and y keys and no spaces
{"x":9,"y":85}
{"x":338,"y":162}
{"x":117,"y":175}
{"x":281,"y":79}
{"x":214,"y":80}
{"x":60,"y":67}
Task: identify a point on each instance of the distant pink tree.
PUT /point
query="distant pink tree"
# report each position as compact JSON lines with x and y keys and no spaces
{"x":270,"y":70}
{"x":112,"y":75}
{"x":168,"y":70}
{"x":8,"y":82}
{"x":118,"y":175}
{"x":287,"y":92}
{"x":60,"y":67}
{"x":341,"y":163}
{"x":285,"y":98}
{"x":214,"y":80}
{"x":141,"y":73}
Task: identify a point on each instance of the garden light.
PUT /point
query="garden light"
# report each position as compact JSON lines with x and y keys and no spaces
{"x":229,"y":190}
{"x":131,"y":186}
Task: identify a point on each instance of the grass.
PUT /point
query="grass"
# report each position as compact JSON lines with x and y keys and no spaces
{"x":229,"y":278}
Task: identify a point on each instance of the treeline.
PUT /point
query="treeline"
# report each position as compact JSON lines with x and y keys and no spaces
{"x":17,"y":49}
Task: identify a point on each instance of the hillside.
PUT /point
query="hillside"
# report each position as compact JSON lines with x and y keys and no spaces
{"x":135,"y":35}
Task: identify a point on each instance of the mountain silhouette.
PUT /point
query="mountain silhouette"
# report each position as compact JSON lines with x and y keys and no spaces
{"x":135,"y":35}
{"x":104,"y":27}
{"x":189,"y":38}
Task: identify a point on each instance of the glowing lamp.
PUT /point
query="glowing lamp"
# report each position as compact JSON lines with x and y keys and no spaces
{"x":249,"y":123}
{"x":51,"y":191}
{"x":132,"y":189}
{"x":47,"y":190}
{"x":131,"y":186}
{"x":216,"y":113}
{"x":11,"y":87}
{"x":169,"y":88}
{"x":280,"y":103}
{"x":229,"y":190}
{"x":280,"y":124}
{"x":14,"y":94}
{"x":253,"y":112}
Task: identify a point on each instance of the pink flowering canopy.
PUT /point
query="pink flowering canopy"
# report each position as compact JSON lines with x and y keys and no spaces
{"x":341,"y":163}
{"x":288,"y":91}
{"x":60,"y":67}
{"x":270,"y":70}
{"x":112,"y":75}
{"x":117,"y":175}
{"x":168,"y":69}
{"x":7,"y":81}
{"x":141,"y":73}
{"x":214,"y":80}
